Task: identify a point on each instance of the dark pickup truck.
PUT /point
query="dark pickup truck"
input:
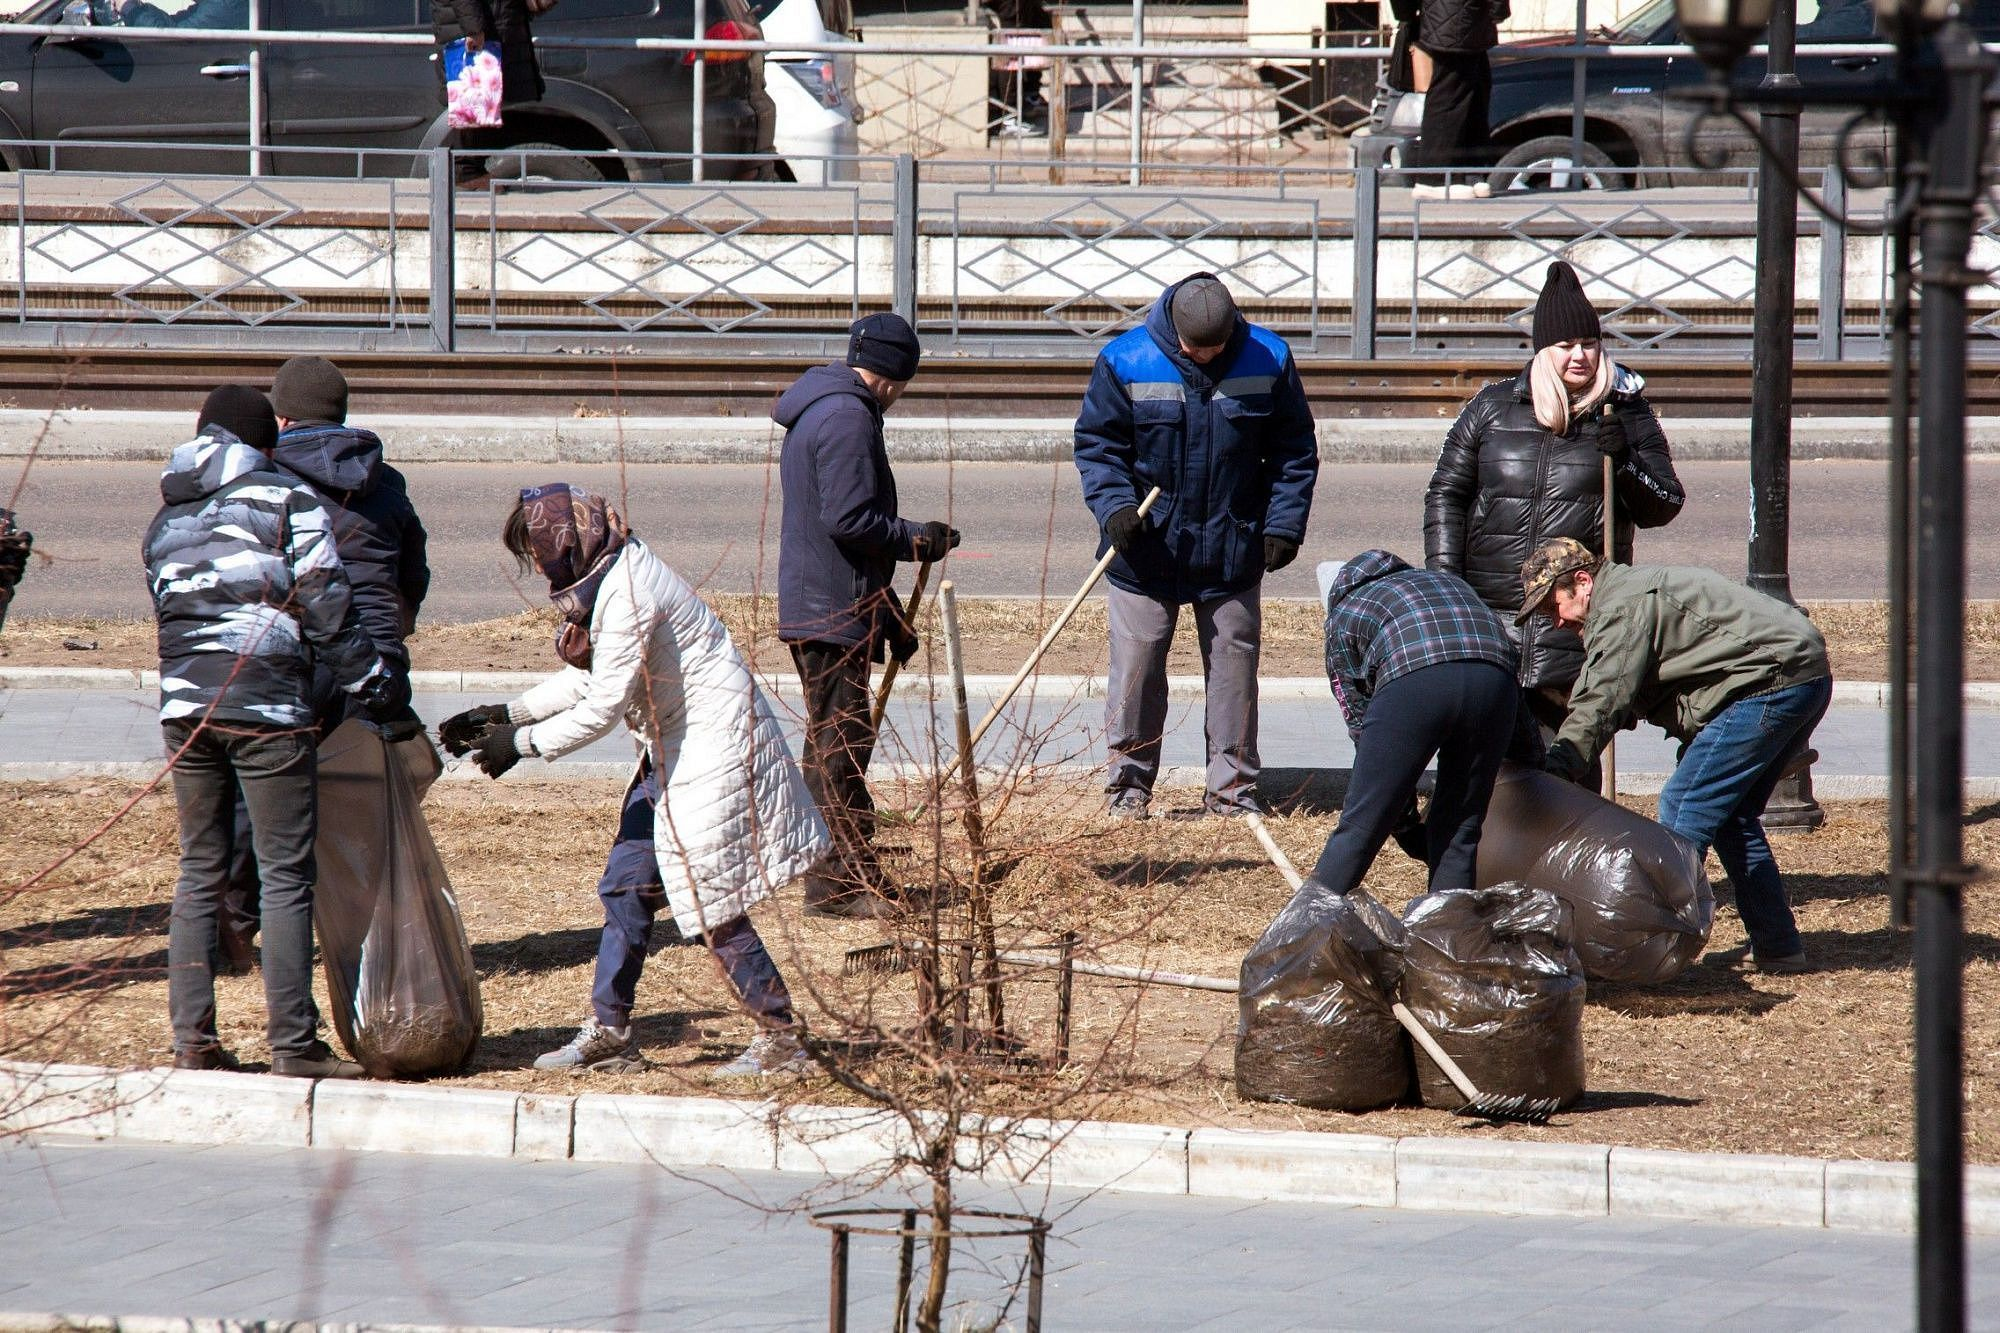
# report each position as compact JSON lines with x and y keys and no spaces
{"x":100,"y":85}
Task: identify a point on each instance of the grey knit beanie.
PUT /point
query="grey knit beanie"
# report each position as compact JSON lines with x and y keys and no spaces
{"x":1203,"y":311}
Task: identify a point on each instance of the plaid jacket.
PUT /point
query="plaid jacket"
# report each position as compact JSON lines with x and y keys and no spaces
{"x":1385,"y":619}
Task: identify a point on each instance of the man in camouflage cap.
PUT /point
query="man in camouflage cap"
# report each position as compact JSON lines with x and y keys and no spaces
{"x":1739,"y":677}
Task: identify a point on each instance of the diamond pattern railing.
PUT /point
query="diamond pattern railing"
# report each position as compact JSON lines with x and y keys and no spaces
{"x":1090,"y":265}
{"x":1654,"y":275}
{"x":680,"y":258}
{"x":204,"y":250}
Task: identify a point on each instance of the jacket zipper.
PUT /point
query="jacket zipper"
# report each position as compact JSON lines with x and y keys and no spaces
{"x":1529,"y":630}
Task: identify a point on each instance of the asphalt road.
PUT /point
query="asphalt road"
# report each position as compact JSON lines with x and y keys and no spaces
{"x":1025,"y":525}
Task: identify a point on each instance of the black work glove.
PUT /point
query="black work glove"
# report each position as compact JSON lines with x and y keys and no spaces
{"x":1566,"y":762}
{"x":462,"y":731}
{"x":1410,"y":833}
{"x":384,"y":698}
{"x":931,"y":540}
{"x":902,"y":640}
{"x":495,"y":751}
{"x":1124,"y":529}
{"x":1611,"y":441}
{"x":1278,"y":552}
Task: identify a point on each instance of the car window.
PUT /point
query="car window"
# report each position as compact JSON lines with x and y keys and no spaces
{"x":1836,"y":21}
{"x":585,"y":11}
{"x":343,"y":15}
{"x":171,"y":13}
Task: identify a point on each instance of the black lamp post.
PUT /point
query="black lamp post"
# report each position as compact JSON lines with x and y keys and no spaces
{"x":1936,"y":98}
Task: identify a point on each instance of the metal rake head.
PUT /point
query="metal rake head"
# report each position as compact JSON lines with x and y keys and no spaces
{"x":1518,"y":1108}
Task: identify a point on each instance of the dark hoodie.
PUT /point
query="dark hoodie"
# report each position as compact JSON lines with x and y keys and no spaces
{"x":375,"y":528}
{"x":247,"y":589}
{"x":840,"y":538}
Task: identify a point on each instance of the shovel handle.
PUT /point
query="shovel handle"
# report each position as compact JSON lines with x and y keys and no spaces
{"x":889,"y":672}
{"x":1274,"y":851}
{"x":1434,"y":1051}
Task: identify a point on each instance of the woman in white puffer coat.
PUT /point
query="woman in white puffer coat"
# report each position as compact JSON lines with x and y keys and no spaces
{"x":718,"y":817}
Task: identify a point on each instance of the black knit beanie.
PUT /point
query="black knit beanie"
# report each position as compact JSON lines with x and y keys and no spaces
{"x":1563,"y":313}
{"x":310,"y":388}
{"x":885,"y":344}
{"x":242,"y":411}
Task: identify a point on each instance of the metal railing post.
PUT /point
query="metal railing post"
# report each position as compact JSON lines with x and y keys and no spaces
{"x":256,"y":90}
{"x":1367,"y":216}
{"x":444,"y":251}
{"x":1138,"y":90}
{"x":903,"y":291}
{"x":699,"y":143}
{"x":1579,"y":92}
{"x":1833,"y":268}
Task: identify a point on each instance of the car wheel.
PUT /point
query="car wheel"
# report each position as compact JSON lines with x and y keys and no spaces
{"x":1551,"y":163}
{"x":541,"y":162}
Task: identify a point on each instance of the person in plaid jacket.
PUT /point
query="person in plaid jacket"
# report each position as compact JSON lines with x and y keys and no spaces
{"x":1421,"y":668}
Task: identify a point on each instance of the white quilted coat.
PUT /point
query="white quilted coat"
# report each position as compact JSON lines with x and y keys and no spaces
{"x":734,"y":822}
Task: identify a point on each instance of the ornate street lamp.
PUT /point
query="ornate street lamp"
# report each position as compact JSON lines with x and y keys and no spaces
{"x":1936,"y":99}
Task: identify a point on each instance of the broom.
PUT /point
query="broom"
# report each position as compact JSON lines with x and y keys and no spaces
{"x":1517,"y":1107}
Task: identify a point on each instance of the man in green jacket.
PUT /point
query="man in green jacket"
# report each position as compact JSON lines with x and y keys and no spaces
{"x":1740,"y":678}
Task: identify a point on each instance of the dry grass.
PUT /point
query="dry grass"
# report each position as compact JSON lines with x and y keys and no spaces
{"x":1720,"y":1059}
{"x":998,"y":632}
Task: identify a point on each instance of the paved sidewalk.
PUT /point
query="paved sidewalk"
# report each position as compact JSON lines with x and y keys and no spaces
{"x":257,"y":1233}
{"x":60,"y":726}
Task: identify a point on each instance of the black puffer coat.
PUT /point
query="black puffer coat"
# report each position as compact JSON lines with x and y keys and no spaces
{"x":1460,"y":26}
{"x":502,"y":21}
{"x":1504,"y":484}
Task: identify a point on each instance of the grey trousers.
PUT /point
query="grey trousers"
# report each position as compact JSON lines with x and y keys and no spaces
{"x":277,"y":770}
{"x":1230,"y":631}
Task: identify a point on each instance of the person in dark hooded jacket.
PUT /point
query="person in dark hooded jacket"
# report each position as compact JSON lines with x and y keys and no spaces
{"x":1524,"y":463}
{"x":1421,"y":668}
{"x":1208,"y":407}
{"x":837,"y":552}
{"x":248,"y":588}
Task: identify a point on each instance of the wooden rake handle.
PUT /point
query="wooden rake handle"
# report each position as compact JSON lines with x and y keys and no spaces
{"x":889,"y":672}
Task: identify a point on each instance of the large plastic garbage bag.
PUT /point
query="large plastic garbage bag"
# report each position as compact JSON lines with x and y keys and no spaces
{"x":1315,"y":1026}
{"x":1490,"y":972}
{"x":399,"y":971}
{"x":1641,"y":902}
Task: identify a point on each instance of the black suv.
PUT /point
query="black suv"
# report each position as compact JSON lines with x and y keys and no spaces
{"x":386,"y":99}
{"x":1631,"y":119}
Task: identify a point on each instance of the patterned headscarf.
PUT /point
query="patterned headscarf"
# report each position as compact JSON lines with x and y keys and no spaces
{"x":573,"y":538}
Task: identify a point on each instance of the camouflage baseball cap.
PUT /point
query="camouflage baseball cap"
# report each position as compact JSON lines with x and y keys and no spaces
{"x":1539,"y":572}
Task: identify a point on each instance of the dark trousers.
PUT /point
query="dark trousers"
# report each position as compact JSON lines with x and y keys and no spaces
{"x":275,"y":770}
{"x":1455,"y":132}
{"x":633,"y":896}
{"x":1467,"y":714}
{"x":839,"y":742}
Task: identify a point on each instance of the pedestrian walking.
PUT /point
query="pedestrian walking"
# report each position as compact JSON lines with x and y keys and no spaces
{"x":1456,"y":35}
{"x":716,"y":818}
{"x":1209,"y":408}
{"x":1740,"y":678}
{"x":1524,"y":463}
{"x":1422,"y":669}
{"x":839,"y":543}
{"x":241,"y":559}
{"x":479,"y":22}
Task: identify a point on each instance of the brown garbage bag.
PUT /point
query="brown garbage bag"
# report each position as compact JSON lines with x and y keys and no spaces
{"x":399,"y":972}
{"x":1641,"y":902}
{"x":1490,"y":972}
{"x":1314,"y":1024}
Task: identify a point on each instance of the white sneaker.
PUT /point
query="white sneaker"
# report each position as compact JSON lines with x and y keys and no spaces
{"x":597,"y":1048}
{"x":769,"y":1053}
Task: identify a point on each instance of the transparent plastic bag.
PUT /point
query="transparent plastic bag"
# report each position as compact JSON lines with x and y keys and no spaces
{"x":399,"y":971}
{"x":1641,"y":904}
{"x":1491,"y":973}
{"x":1315,"y":1027}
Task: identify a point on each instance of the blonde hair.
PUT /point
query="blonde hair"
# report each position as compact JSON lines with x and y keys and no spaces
{"x":1555,"y":402}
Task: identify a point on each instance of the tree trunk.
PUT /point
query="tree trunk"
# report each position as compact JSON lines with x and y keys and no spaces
{"x":931,"y":1313}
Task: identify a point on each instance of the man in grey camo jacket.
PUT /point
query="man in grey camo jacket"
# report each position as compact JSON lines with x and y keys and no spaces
{"x":248,"y":591}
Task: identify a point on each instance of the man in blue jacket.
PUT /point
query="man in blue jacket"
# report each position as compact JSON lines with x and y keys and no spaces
{"x":1208,"y":407}
{"x":837,"y":552}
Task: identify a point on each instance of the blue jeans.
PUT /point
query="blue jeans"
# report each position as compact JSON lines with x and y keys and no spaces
{"x":1717,"y":794}
{"x":633,"y":895}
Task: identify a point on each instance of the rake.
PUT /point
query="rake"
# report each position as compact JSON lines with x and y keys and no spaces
{"x":1517,"y":1108}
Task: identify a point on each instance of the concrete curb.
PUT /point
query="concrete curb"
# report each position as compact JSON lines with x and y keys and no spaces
{"x":85,"y":435}
{"x":1848,"y":693}
{"x":1462,"y":1175}
{"x":19,"y":1321}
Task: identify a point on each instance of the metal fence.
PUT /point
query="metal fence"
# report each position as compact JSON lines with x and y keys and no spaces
{"x":979,"y":255}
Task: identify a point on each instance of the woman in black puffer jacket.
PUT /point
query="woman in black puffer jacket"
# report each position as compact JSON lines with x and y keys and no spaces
{"x":1524,"y":463}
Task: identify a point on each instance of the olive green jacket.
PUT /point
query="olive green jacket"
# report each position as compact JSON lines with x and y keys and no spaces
{"x":1676,"y":646}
